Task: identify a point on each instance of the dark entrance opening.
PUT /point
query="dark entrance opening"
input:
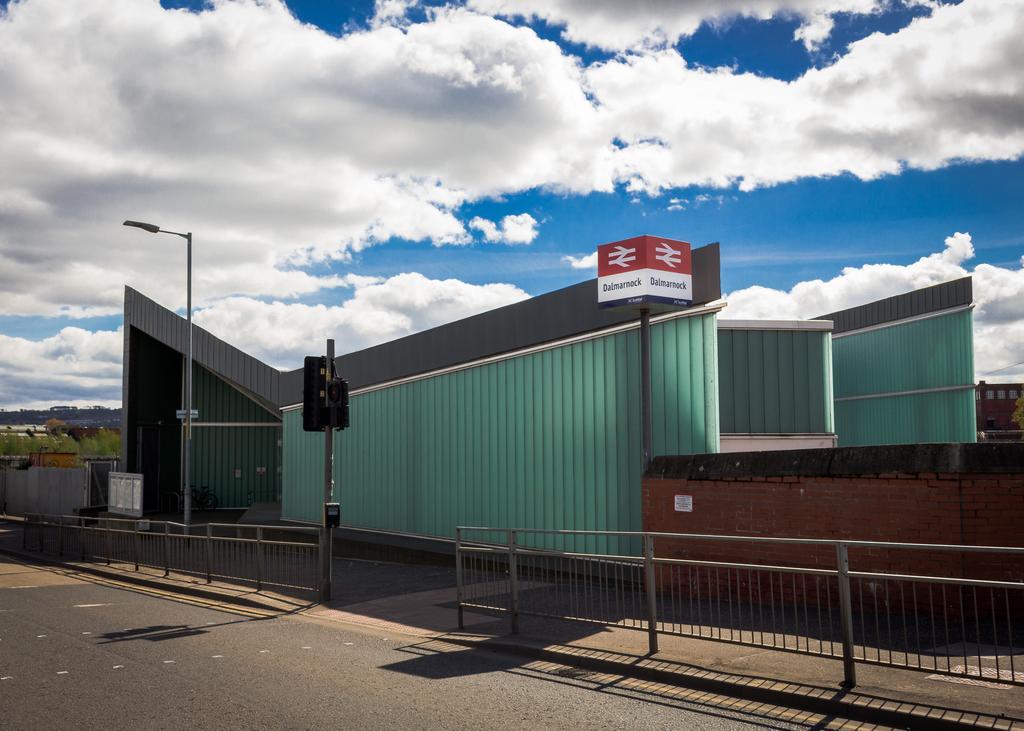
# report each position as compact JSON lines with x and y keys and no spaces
{"x":148,"y":465}
{"x":152,"y":431}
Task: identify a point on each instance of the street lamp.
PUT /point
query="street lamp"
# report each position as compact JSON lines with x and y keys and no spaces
{"x":186,"y":476}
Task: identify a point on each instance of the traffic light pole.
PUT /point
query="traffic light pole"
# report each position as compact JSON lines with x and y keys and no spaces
{"x":326,"y":531}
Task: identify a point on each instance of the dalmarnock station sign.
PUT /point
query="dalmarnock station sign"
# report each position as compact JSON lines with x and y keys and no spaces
{"x":644,"y":269}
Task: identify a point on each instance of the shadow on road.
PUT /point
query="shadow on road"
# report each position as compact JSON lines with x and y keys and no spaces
{"x":161,"y":632}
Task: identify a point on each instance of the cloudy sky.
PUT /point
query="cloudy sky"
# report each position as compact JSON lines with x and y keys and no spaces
{"x":366,"y":170}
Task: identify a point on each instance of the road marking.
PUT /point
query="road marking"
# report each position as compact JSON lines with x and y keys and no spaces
{"x":306,"y":647}
{"x":262,"y":651}
{"x":118,"y":667}
{"x":168,"y":662}
{"x":23,"y":587}
{"x":216,"y":656}
{"x":6,"y":677}
{"x":62,"y":672}
{"x":87,"y":633}
{"x":87,"y":606}
{"x":348,"y":644}
{"x":39,"y":637}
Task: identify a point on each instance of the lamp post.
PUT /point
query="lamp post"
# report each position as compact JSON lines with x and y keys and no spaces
{"x":186,"y":480}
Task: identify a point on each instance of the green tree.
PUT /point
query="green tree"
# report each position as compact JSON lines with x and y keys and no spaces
{"x":106,"y":443}
{"x":1018,"y":412}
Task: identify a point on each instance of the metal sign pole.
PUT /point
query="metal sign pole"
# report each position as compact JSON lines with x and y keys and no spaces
{"x":325,"y":531}
{"x":645,"y":384}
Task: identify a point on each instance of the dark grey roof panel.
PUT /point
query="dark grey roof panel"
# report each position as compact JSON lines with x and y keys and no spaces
{"x":250,"y":374}
{"x":552,"y":316}
{"x":955,"y":293}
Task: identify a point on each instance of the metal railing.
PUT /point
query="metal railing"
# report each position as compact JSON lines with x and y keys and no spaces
{"x":284,"y":557}
{"x":743,"y":590}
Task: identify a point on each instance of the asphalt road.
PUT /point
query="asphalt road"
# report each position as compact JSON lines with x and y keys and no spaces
{"x":83,"y":653}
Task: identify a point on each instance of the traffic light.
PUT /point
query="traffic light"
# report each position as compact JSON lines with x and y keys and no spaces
{"x":337,"y":404}
{"x":314,"y":392}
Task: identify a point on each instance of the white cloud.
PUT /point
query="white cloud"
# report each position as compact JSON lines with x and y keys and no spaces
{"x":488,"y":228}
{"x":276,"y":143}
{"x":75,"y":367}
{"x":617,"y":26}
{"x":946,"y":88}
{"x":391,"y":11}
{"x":998,"y":297}
{"x":584,"y":261}
{"x":815,"y":30}
{"x":281,"y":145}
{"x":280,"y":333}
{"x":514,"y":229}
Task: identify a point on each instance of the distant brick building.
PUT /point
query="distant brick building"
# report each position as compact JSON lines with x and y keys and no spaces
{"x":994,"y":405}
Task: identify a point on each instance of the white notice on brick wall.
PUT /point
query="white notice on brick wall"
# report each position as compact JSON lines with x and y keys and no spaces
{"x":684,"y":503}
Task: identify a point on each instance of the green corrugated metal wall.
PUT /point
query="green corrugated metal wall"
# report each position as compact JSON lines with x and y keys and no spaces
{"x":775,"y":381}
{"x":945,"y":416}
{"x":548,"y":440}
{"x":229,"y":460}
{"x":933,"y":353}
{"x":302,"y":459}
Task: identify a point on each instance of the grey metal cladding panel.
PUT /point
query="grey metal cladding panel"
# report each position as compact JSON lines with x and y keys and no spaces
{"x":707,"y":287}
{"x":209,"y":351}
{"x":956,"y":293}
{"x":553,"y":316}
{"x":537,"y":320}
{"x":547,"y":317}
{"x":290,"y":388}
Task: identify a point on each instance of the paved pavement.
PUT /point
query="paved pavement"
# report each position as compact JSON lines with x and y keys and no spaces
{"x":77,"y":652}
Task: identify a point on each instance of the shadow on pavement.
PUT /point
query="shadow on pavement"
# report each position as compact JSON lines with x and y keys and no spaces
{"x":356,"y":581}
{"x":439,"y":660}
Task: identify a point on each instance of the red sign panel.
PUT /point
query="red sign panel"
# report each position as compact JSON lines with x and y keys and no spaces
{"x":644,"y":252}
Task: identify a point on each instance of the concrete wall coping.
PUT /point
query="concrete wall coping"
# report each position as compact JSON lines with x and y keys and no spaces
{"x":989,"y":458}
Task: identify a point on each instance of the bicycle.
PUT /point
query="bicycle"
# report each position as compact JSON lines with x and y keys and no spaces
{"x":203,"y":498}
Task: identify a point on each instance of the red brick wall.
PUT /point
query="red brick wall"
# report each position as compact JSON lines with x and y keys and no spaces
{"x":978,"y":509}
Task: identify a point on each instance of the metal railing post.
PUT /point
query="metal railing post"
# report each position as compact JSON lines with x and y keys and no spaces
{"x":60,"y":536}
{"x":24,"y":532}
{"x":513,"y":578}
{"x":42,"y":530}
{"x":458,"y":576}
{"x":81,"y":537}
{"x":325,"y":550}
{"x":137,"y":544}
{"x":846,"y":615}
{"x":167,"y":548}
{"x":110,"y":543}
{"x":259,"y":559}
{"x":652,"y":598}
{"x":209,"y":551}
